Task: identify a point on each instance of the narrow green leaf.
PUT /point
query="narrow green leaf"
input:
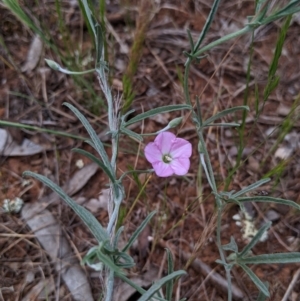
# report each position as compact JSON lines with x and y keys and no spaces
{"x":18,"y":11}
{"x":91,"y":259}
{"x":232,"y":246}
{"x":292,"y":257}
{"x":207,"y":24}
{"x":116,"y":187}
{"x":97,"y":142}
{"x":224,"y":113}
{"x":127,"y":262}
{"x":103,"y":167}
{"x":261,"y":10}
{"x":190,"y":40}
{"x":117,"y":237}
{"x":290,"y":9}
{"x":232,"y":124}
{"x":157,"y":285}
{"x":254,"y":240}
{"x":170,"y":284}
{"x":100,"y":38}
{"x":88,"y":218}
{"x":250,"y":187}
{"x":198,"y":116}
{"x":38,"y":129}
{"x":273,"y":80}
{"x":96,"y":160}
{"x":88,"y":13}
{"x":266,"y":199}
{"x":156,"y":111}
{"x":131,"y":134}
{"x":138,"y":231}
{"x":258,"y":5}
{"x":132,"y":284}
{"x":261,"y":295}
{"x":106,"y":260}
{"x":259,"y":284}
{"x":136,"y":287}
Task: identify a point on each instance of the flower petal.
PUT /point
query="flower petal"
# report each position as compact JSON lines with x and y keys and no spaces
{"x":164,"y":141}
{"x":180,"y":166}
{"x":181,"y":148}
{"x":162,"y":169}
{"x":153,"y":153}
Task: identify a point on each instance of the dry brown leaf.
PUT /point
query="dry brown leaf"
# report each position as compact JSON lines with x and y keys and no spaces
{"x":33,"y":55}
{"x":80,"y":178}
{"x":49,"y":234}
{"x":42,"y":288}
{"x":9,"y":147}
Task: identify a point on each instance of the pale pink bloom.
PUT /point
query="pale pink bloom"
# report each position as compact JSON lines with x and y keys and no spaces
{"x":169,"y":155}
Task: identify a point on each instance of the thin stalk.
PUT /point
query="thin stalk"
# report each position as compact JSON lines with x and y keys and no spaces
{"x":186,"y":81}
{"x":38,"y":129}
{"x":222,"y":256}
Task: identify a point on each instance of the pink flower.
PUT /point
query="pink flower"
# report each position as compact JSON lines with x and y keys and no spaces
{"x":169,"y":155}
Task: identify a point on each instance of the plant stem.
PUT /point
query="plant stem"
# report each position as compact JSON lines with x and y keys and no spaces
{"x":109,"y":285}
{"x":38,"y":129}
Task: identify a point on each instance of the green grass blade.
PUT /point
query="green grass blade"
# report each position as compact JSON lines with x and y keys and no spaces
{"x":88,"y":17}
{"x":170,"y":284}
{"x":272,"y":78}
{"x":138,"y":231}
{"x":91,"y":222}
{"x":14,"y":6}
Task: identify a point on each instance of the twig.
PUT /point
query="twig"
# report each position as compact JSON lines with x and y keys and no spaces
{"x":291,"y":286}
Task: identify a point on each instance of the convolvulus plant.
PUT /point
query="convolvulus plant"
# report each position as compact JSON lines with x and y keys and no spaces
{"x":168,"y":155}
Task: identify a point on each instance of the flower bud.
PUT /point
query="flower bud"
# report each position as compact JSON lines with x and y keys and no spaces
{"x":53,"y":65}
{"x":175,"y":122}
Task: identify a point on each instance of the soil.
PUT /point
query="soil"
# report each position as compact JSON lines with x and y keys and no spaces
{"x":33,"y":94}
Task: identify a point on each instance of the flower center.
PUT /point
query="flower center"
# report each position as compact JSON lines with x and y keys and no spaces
{"x":167,"y":158}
